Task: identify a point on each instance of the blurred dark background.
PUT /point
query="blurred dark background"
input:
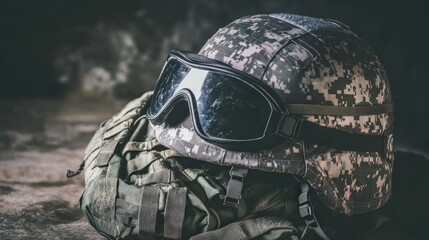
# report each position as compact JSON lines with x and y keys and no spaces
{"x":66,"y":65}
{"x":73,"y":49}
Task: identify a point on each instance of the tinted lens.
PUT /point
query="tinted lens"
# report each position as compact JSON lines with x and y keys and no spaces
{"x":171,"y":76}
{"x":229,"y":108}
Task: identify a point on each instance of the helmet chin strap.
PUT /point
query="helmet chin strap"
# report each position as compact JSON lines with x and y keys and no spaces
{"x":307,"y":213}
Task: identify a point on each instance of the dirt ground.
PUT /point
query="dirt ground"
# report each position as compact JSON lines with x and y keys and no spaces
{"x":39,"y":141}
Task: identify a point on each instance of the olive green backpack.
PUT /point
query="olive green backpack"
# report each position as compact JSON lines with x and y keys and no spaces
{"x":136,"y":188}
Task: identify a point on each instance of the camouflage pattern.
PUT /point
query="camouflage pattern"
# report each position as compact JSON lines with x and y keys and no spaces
{"x":136,"y":188}
{"x":306,"y":61}
{"x":287,"y":158}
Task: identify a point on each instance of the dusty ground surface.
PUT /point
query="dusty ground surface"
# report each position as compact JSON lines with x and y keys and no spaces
{"x":39,"y":141}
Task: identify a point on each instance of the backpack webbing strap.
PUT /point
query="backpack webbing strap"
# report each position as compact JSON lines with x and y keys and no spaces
{"x":163,"y":176}
{"x":148,"y":212}
{"x":174,"y":213}
{"x":106,"y":152}
{"x":169,"y":153}
{"x":146,"y":158}
{"x":235,"y":186}
{"x":141,"y":162}
{"x":140,"y":146}
{"x":118,"y":130}
{"x":307,"y":213}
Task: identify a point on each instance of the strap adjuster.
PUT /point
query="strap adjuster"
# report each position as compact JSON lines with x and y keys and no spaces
{"x":235,"y":186}
{"x":305,"y":211}
{"x":290,"y":126}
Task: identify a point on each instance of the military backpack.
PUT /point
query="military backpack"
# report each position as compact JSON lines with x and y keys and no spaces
{"x":135,"y":188}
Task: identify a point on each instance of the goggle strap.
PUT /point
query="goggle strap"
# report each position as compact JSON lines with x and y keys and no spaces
{"x":309,"y":109}
{"x":298,"y":128}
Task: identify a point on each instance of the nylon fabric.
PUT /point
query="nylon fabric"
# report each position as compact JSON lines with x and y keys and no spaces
{"x":141,"y":162}
{"x":209,"y":188}
{"x":163,"y":176}
{"x":126,"y":209}
{"x":106,"y":152}
{"x":250,"y":229}
{"x":139,"y":146}
{"x":104,"y":199}
{"x":148,"y":212}
{"x":144,"y":159}
{"x":174,"y":213}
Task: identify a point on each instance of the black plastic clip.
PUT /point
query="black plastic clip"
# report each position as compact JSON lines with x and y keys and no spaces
{"x":235,"y":186}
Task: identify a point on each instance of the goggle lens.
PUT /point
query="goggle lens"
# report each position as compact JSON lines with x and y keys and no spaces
{"x":172,"y":75}
{"x":227,"y":107}
{"x":231,"y":109}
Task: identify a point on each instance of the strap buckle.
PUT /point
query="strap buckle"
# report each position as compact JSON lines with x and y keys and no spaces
{"x":235,"y":186}
{"x":306,"y":211}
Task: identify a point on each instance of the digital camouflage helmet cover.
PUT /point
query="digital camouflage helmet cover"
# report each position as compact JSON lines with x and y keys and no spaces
{"x":324,"y":74}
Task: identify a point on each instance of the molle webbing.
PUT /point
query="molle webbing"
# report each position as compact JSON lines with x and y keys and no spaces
{"x":157,"y":205}
{"x":148,"y":212}
{"x":174,"y":214}
{"x":139,"y":146}
{"x":163,"y":176}
{"x":106,"y":152}
{"x":143,"y":160}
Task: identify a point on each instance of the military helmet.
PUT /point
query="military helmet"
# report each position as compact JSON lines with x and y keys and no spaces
{"x":324,"y":74}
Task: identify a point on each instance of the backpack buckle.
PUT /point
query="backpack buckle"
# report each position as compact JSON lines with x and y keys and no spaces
{"x":235,"y":186}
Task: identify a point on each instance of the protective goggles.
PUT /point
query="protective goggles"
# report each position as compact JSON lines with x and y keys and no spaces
{"x":234,"y":110}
